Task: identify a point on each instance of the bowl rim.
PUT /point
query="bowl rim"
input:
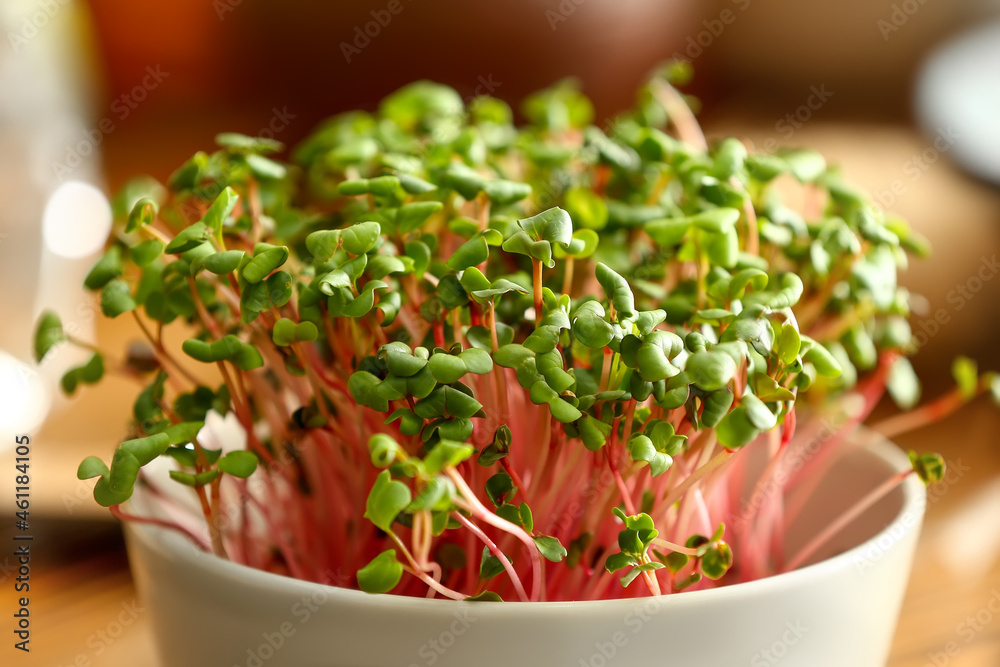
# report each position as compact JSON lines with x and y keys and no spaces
{"x":177,"y":548}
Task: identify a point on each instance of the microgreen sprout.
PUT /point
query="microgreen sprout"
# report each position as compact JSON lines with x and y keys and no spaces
{"x":488,"y":362}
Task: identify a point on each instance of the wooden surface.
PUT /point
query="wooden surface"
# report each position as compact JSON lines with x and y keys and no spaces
{"x":84,"y":608}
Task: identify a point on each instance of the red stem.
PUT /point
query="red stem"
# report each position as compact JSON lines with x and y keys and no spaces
{"x":844,"y":519}
{"x":536,"y":270}
{"x":117,"y":512}
{"x":515,"y":580}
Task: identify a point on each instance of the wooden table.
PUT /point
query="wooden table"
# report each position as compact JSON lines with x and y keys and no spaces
{"x":84,"y":608}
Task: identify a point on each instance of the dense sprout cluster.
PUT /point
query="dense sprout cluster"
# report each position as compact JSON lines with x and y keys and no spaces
{"x":506,"y":360}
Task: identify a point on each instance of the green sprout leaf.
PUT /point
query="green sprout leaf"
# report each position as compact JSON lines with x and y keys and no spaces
{"x":503,"y":192}
{"x":485,"y":596}
{"x":638,"y":570}
{"x":238,"y":463}
{"x":145,"y":253}
{"x":360,"y":238}
{"x":143,"y":212}
{"x":490,"y":566}
{"x":189,"y":238}
{"x":124,"y":471}
{"x":674,"y":561}
{"x":538,"y":233}
{"x":413,"y":215}
{"x":116,"y":298}
{"x":825,"y":363}
{"x":757,"y":413}
{"x":89,"y":373}
{"x":445,"y":368}
{"x":447,"y":454}
{"x":183,"y":432}
{"x":244,"y":143}
{"x":710,"y":370}
{"x":107,"y":268}
{"x":472,"y":252}
{"x":903,"y":384}
{"x":586,"y":208}
{"x":382,"y":574}
{"x":323,"y":244}
{"x":550,"y":548}
{"x":222,"y":263}
{"x":787,"y":344}
{"x":91,"y":467}
{"x":48,"y":334}
{"x":265,"y":168}
{"x":737,"y":429}
{"x":386,"y":499}
{"x":287,"y":332}
{"x":619,"y":561}
{"x":617,"y":289}
{"x":717,"y":561}
{"x":220,"y":210}
{"x":805,"y":165}
{"x":144,"y":450}
{"x":930,"y":467}
{"x":499,"y":487}
{"x":266,"y":259}
{"x":966,"y":376}
{"x":641,"y":448}
{"x":106,"y":496}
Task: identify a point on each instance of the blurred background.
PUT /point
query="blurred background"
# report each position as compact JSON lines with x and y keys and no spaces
{"x":905,"y":94}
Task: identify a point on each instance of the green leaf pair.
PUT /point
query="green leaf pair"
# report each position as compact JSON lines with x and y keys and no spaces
{"x":286,"y":332}
{"x":266,"y":259}
{"x":745,"y":422}
{"x":116,"y":483}
{"x":447,"y":368}
{"x":228,"y":348}
{"x":48,"y":334}
{"x":536,"y":235}
{"x":89,"y":373}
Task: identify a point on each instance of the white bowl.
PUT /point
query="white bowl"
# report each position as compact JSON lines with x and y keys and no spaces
{"x":840,"y":612}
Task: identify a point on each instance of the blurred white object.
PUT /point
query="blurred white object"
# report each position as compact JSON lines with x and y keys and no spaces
{"x":24,"y":397}
{"x":77,"y":220}
{"x":958,"y":93}
{"x":46,"y":106}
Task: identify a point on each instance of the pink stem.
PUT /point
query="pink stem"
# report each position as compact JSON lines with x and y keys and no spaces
{"x":518,"y":586}
{"x":124,"y":516}
{"x":844,"y":519}
{"x":483,"y":514}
